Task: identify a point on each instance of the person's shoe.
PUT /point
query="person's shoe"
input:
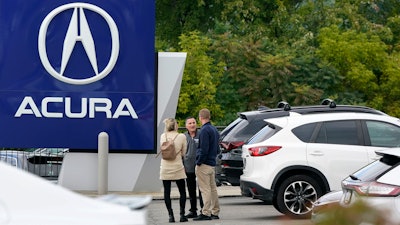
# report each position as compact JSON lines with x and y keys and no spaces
{"x":214,"y":217}
{"x":191,"y":215}
{"x":171,"y":219}
{"x":183,"y":219}
{"x":202,"y":217}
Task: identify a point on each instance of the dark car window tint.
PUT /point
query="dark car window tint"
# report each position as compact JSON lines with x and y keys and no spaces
{"x":338,"y":132}
{"x":264,"y":134}
{"x":231,"y":135}
{"x":304,"y":132}
{"x":229,"y":127}
{"x":244,"y":130}
{"x":383,"y":134}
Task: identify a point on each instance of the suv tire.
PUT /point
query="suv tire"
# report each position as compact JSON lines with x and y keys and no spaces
{"x":296,"y":195}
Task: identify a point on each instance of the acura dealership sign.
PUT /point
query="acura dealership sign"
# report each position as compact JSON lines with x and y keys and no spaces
{"x":71,"y":70}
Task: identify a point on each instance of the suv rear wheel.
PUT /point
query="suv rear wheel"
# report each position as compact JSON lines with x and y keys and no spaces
{"x":296,"y":196}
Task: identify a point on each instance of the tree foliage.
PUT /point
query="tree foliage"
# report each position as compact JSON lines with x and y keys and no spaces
{"x":174,"y":18}
{"x":246,"y":53}
{"x":201,"y":77}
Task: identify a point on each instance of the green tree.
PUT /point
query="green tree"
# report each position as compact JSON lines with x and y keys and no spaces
{"x":243,"y":58}
{"x":201,"y":78}
{"x":174,"y":18}
{"x":358,"y":57}
{"x":258,"y":52}
{"x":388,"y":98}
{"x":245,"y":16}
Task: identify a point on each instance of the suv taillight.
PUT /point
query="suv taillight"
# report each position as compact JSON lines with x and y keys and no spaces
{"x":231,"y":145}
{"x":375,"y":189}
{"x":263,"y":150}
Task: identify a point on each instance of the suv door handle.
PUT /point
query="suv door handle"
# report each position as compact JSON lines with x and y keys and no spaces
{"x":317,"y":153}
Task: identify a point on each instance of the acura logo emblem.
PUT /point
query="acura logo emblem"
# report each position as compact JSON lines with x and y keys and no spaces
{"x":78,"y":30}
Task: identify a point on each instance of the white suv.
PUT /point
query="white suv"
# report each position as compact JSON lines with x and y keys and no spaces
{"x":296,"y":159}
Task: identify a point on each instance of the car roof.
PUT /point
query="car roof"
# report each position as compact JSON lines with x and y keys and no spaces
{"x":232,"y":131}
{"x":327,"y":106}
{"x":296,"y":119}
{"x":389,"y":151}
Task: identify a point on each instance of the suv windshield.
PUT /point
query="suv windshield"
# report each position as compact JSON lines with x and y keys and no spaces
{"x":264,"y":134}
{"x":228,"y":129}
{"x":244,"y":130}
{"x":373,"y":170}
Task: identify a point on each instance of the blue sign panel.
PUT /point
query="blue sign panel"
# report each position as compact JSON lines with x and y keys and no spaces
{"x":71,"y":70}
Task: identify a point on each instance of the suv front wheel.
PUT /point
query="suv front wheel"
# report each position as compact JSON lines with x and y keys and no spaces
{"x":296,"y":195}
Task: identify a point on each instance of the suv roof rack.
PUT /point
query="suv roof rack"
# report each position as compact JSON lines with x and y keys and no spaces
{"x":262,"y":107}
{"x":327,"y":106}
{"x":330,"y":102}
{"x":336,"y":109}
{"x":286,"y":106}
{"x":283,"y":105}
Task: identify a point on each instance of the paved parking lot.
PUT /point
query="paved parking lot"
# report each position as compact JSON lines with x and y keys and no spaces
{"x":235,"y":210}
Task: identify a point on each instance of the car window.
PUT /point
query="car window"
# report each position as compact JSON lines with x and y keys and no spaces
{"x":338,"y":132}
{"x":304,"y":132}
{"x":10,"y":160}
{"x":264,"y":134}
{"x":55,"y":150}
{"x":383,"y":134}
{"x":373,"y":170}
{"x":244,"y":130}
{"x":227,"y":129}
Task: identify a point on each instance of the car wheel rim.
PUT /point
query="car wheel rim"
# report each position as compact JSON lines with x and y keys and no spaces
{"x":299,"y":197}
